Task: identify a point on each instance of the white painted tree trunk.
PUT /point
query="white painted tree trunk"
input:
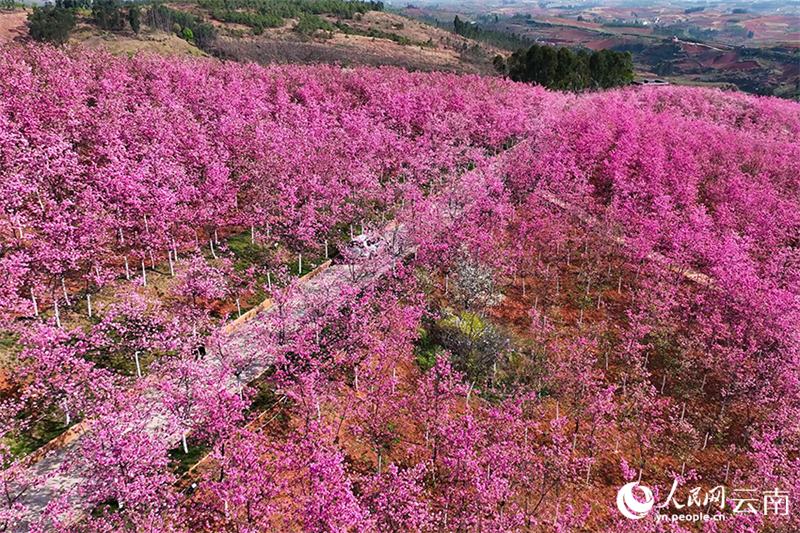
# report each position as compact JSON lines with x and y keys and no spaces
{"x":269,"y":281}
{"x":299,"y":264}
{"x":58,"y":314}
{"x":35,"y":305}
{"x":171,"y":264}
{"x":64,"y":290}
{"x":89,"y":304}
{"x":127,"y":269}
{"x":183,"y":441}
{"x":144,"y":274}
{"x":238,"y":307}
{"x":138,"y":364}
{"x":252,"y":234}
{"x":213,"y":253}
{"x":326,"y":249}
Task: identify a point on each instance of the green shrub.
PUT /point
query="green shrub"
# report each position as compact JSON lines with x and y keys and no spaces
{"x":311,"y":24}
{"x":51,"y":24}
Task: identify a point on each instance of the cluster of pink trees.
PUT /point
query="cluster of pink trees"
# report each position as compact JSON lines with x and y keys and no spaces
{"x":683,"y":205}
{"x":116,"y":165}
{"x":700,"y":195}
{"x":646,"y":239}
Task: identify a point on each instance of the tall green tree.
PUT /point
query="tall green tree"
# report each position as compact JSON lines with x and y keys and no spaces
{"x":108,"y":14}
{"x":135,"y":18}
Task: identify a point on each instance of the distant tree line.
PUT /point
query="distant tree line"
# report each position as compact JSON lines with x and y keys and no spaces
{"x":501,"y":39}
{"x":377,"y":33}
{"x":53,"y":23}
{"x":563,"y":69}
{"x":262,"y":14}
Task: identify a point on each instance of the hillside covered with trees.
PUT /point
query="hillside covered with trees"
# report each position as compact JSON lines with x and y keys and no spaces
{"x":314,"y":298}
{"x":561,"y":68}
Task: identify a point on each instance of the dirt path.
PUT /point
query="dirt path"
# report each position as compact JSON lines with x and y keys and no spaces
{"x":13,"y":25}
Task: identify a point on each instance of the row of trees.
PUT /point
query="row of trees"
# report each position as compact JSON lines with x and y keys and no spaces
{"x":111,"y":15}
{"x":190,"y":27}
{"x":501,"y":39}
{"x":261,"y":14}
{"x":54,"y":23}
{"x":159,"y":159}
{"x":563,"y":69}
{"x":656,"y":293}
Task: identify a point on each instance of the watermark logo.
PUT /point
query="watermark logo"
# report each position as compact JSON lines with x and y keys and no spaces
{"x":629,"y":506}
{"x":700,"y":505}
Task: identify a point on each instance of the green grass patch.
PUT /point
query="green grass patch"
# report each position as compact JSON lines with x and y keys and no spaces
{"x":45,"y":429}
{"x":247,"y":253}
{"x":264,"y":398}
{"x":180,"y":462}
{"x":124,"y":363}
{"x":426,"y":350}
{"x":467,"y":322}
{"x":8,"y":340}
